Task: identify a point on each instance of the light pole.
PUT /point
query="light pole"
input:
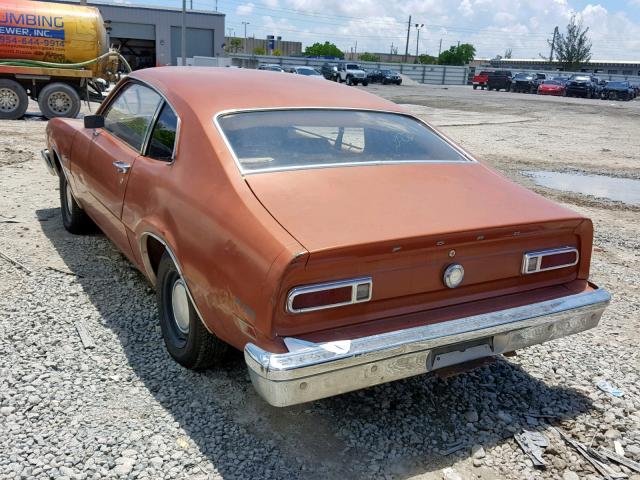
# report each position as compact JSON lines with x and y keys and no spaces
{"x":245,"y":36}
{"x":418,"y":27}
{"x":184,"y":33}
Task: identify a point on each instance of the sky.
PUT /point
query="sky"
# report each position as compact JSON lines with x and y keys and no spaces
{"x":492,"y":26}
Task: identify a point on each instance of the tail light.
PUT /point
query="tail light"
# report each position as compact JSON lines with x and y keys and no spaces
{"x":329,"y":295}
{"x":544,"y":260}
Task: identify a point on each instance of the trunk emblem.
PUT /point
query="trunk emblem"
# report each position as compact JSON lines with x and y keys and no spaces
{"x":453,"y":275}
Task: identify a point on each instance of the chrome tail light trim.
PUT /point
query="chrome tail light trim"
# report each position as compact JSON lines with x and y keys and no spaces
{"x":319,"y":287}
{"x":540,"y":254}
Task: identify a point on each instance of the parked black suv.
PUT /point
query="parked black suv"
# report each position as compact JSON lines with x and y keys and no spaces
{"x":527,"y":82}
{"x":499,"y":80}
{"x":330,"y":71}
{"x":582,"y":86}
{"x":384,"y":76}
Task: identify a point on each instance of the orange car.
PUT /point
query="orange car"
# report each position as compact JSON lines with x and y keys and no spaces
{"x":340,"y":241}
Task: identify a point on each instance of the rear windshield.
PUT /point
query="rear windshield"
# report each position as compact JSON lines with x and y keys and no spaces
{"x":617,"y":84}
{"x":524,"y":76}
{"x":299,"y":139}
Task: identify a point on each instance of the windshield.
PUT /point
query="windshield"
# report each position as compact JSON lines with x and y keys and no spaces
{"x":523,"y":76}
{"x":580,"y":79}
{"x":298,"y":139}
{"x":551,"y":82}
{"x":387,"y":72}
{"x":353,"y":66}
{"x":617,"y":84}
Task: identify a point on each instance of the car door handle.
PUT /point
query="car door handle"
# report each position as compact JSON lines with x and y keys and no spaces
{"x":122,"y":167}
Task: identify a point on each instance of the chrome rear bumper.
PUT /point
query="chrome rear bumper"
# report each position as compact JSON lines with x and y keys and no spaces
{"x":323,"y":370}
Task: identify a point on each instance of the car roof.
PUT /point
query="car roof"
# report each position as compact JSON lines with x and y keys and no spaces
{"x":207,"y":91}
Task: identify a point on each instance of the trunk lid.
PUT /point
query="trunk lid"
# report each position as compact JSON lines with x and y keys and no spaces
{"x":335,"y":208}
{"x":402,"y":225}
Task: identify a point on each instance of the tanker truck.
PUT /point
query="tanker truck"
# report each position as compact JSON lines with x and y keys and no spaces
{"x":54,"y":54}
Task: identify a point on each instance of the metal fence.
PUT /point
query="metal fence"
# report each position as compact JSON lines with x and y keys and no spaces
{"x":432,"y":74}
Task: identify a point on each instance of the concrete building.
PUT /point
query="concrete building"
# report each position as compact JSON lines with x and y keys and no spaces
{"x":151,"y":36}
{"x":286,"y":48}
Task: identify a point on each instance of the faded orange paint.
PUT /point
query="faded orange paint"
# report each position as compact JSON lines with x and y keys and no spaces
{"x":243,"y":242}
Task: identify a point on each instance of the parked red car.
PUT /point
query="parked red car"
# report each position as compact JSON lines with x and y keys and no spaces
{"x":552,"y":87}
{"x":480,"y":80}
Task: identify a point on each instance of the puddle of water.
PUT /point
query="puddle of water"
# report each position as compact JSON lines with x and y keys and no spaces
{"x":611,"y":188}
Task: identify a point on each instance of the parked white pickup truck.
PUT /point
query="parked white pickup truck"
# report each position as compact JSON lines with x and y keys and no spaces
{"x":352,"y":74}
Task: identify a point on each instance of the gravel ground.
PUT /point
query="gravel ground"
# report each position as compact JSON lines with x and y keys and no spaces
{"x":124,"y":409}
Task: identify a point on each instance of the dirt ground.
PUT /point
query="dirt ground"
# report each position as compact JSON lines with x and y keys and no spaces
{"x":125,"y":410}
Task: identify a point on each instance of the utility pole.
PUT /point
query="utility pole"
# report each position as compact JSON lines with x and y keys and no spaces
{"x":190,"y":4}
{"x":440,"y":48}
{"x":245,"y":36}
{"x":406,"y":49}
{"x":184,"y":33}
{"x":391,"y":49}
{"x":418,"y":27}
{"x":356,"y":51}
{"x":458,"y":43}
{"x":553,"y":43}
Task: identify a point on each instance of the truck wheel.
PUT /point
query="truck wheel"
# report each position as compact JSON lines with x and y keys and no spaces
{"x":186,"y":338}
{"x":59,"y":100}
{"x":13,"y":100}
{"x":365,"y":83}
{"x":74,"y":218}
{"x":475,"y":87}
{"x":349,"y":81}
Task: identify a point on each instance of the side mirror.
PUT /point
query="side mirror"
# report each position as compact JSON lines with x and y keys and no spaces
{"x":93,"y":121}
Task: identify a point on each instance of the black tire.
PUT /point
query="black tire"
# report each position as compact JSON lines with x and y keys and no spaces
{"x":58,"y":99}
{"x":13,"y":100}
{"x":365,"y":83}
{"x":192,"y":347}
{"x":74,"y":218}
{"x":475,"y":87}
{"x":349,"y":81}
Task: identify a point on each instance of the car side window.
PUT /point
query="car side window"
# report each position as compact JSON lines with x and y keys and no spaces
{"x":130,"y":114}
{"x":163,"y":135}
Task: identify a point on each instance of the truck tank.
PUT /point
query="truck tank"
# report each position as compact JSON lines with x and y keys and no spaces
{"x":52,"y":32}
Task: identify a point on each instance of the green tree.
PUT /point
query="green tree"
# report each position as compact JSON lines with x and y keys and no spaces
{"x":258,"y":51}
{"x":573,"y":47}
{"x":369,"y":57}
{"x":234,"y":45}
{"x":325,"y":49}
{"x":427,"y":59}
{"x":277,"y":52}
{"x":457,"y":55}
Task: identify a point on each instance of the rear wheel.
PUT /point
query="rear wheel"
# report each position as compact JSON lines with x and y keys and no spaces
{"x":349,"y":81}
{"x":74,"y":218}
{"x":59,"y":100}
{"x":365,"y":83}
{"x":13,"y":100}
{"x":185,"y":336}
{"x":475,"y":87}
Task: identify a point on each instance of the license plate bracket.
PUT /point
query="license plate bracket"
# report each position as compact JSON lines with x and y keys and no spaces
{"x":459,"y":354}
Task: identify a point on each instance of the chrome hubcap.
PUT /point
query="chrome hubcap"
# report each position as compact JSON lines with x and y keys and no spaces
{"x":59,"y":102}
{"x":180,"y":305}
{"x":69,"y":198}
{"x":9,"y":100}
